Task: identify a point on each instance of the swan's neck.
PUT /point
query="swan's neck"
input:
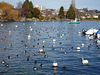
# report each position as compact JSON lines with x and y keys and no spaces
{"x":82,"y":59}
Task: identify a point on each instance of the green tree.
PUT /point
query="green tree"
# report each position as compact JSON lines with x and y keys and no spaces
{"x":61,"y":13}
{"x":31,"y":9}
{"x":36,"y":13}
{"x":27,"y":9}
{"x":71,"y":13}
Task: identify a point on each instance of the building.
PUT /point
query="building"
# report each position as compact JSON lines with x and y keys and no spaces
{"x":95,"y":16}
{"x":40,"y":7}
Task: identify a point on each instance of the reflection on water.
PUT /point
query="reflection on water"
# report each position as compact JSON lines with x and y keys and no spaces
{"x":20,"y":44}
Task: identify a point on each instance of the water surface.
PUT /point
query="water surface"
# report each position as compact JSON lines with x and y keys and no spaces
{"x":14,"y":41}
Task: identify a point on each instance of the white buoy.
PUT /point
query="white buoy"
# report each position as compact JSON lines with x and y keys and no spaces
{"x":55,"y":64}
{"x":41,"y":50}
{"x":84,"y":62}
{"x":82,"y":44}
{"x":78,"y":48}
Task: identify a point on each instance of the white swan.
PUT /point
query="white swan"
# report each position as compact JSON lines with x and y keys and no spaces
{"x":84,"y":62}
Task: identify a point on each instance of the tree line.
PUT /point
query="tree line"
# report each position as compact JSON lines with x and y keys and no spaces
{"x":27,"y":10}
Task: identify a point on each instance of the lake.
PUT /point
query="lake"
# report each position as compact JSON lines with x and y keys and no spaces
{"x":20,"y":43}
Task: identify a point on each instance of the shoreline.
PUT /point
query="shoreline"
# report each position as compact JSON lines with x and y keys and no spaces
{"x":42,"y":20}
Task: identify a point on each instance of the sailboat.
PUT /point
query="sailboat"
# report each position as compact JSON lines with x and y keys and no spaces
{"x":74,"y":21}
{"x":76,"y":15}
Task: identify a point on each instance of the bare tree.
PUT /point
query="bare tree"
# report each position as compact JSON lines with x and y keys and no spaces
{"x":19,"y":5}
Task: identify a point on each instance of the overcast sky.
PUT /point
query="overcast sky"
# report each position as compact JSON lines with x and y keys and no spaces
{"x":56,"y":4}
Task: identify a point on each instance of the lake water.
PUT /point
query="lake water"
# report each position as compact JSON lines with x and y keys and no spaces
{"x":14,"y":42}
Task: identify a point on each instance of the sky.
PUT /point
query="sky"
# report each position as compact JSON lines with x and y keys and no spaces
{"x":56,"y":4}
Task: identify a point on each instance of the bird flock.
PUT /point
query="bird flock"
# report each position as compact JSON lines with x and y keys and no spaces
{"x":41,"y":34}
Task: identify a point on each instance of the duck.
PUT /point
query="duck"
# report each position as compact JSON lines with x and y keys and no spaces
{"x":33,"y":54}
{"x":65,"y":52}
{"x":28,"y":58}
{"x":41,"y":50}
{"x":79,"y":32}
{"x":45,"y":56}
{"x":35,"y":61}
{"x":2,"y":61}
{"x":1,"y":24}
{"x":29,"y":37}
{"x":17,"y":55}
{"x":82,"y":44}
{"x":41,"y":65}
{"x":24,"y":51}
{"x":9,"y":57}
{"x":54,"y":40}
{"x":7,"y":65}
{"x":35,"y":68}
{"x":16,"y":26}
{"x":71,"y":48}
{"x":84,"y":62}
{"x":64,"y":67}
{"x":43,"y":41}
{"x":23,"y":23}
